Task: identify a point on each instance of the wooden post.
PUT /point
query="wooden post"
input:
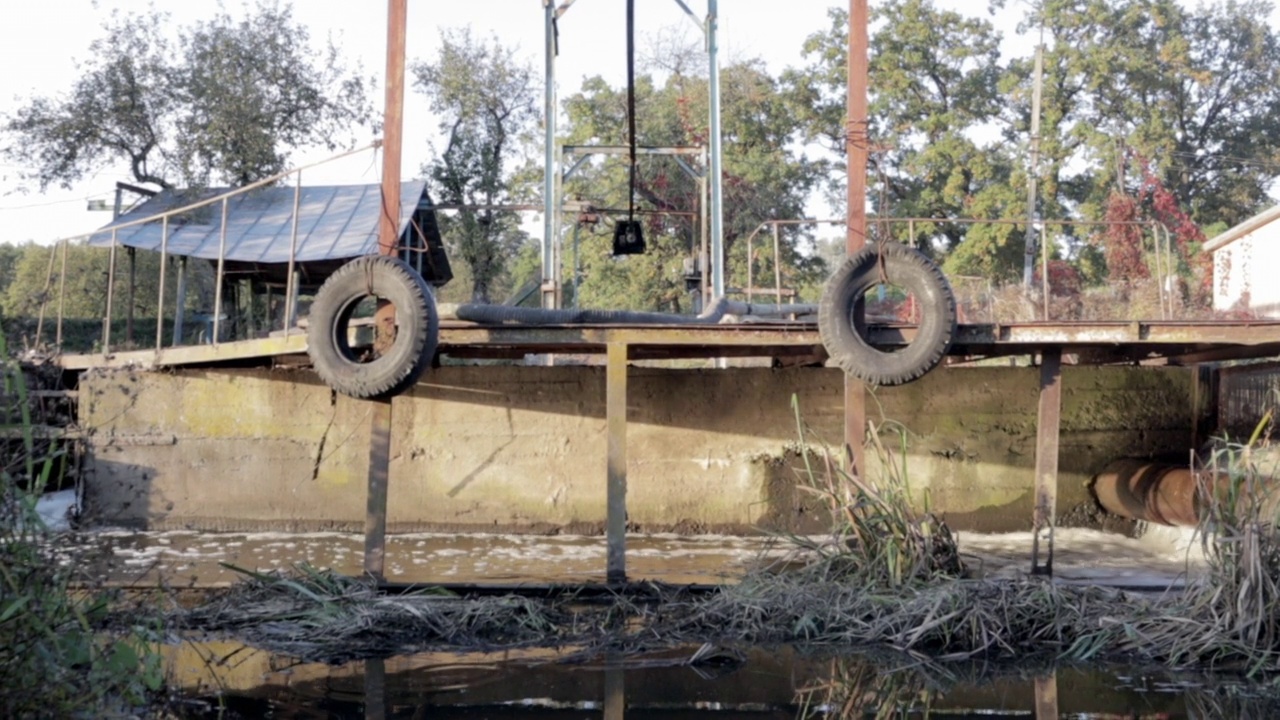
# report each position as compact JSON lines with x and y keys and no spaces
{"x":616,"y":420}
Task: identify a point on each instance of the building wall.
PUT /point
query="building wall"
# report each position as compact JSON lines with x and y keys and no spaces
{"x":508,"y":448}
{"x":1244,"y":273}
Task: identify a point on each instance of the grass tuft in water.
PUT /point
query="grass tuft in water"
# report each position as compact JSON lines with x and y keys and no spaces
{"x":878,"y":538}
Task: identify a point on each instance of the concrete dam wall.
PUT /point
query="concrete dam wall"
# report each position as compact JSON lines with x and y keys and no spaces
{"x":522,"y":449}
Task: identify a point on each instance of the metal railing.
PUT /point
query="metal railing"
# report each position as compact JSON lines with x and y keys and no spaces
{"x":1157,"y":239}
{"x":164,"y":218}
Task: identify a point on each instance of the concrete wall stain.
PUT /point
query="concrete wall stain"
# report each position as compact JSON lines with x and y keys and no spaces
{"x":507,"y":448}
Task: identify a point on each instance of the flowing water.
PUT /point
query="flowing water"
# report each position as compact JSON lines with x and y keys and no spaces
{"x":1162,"y":558}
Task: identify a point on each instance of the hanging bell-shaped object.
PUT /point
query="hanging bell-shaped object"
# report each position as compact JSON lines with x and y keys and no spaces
{"x":628,"y":238}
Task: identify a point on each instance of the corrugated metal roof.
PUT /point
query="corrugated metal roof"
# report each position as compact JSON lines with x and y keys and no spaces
{"x":334,"y":222}
{"x":1262,"y":219}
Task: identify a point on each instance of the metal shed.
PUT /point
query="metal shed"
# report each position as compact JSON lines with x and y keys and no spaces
{"x":334,"y":224}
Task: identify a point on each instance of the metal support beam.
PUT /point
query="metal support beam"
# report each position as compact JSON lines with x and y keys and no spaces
{"x":375,"y":521}
{"x":1047,"y":426}
{"x":616,"y":421}
{"x":133,"y":284}
{"x":717,"y":166}
{"x":856,"y":150}
{"x":180,"y":304}
{"x":550,"y":202}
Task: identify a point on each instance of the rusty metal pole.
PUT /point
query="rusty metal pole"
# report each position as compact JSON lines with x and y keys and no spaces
{"x":1047,"y":427}
{"x":856,"y":150}
{"x":616,"y":467}
{"x":375,"y":524}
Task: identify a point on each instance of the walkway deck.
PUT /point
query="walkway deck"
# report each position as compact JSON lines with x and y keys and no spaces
{"x":1174,"y":342}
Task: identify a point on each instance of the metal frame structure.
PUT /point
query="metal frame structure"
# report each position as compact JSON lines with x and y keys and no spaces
{"x":575,"y":155}
{"x":552,"y":202}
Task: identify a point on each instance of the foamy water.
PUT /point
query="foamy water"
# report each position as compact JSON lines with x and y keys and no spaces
{"x":1160,"y":558}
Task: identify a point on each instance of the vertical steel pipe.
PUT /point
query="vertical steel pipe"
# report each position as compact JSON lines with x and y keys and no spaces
{"x":111,"y":285}
{"x":750,"y":274}
{"x":180,"y":304}
{"x":704,"y":230}
{"x":217,"y":286}
{"x":1044,"y":267}
{"x":550,"y":204}
{"x":291,"y":290}
{"x":44,"y":296}
{"x":777,"y":262}
{"x":164,"y":269}
{"x":62,"y":291}
{"x":717,"y":160}
{"x":133,"y":286}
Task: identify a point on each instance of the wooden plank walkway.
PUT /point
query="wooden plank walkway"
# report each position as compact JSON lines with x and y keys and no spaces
{"x":1181,"y":342}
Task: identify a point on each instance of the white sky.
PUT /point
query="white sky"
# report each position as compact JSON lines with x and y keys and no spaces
{"x":40,"y":43}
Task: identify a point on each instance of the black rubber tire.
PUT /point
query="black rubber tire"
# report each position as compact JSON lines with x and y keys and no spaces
{"x":417,"y":328}
{"x":846,"y":343}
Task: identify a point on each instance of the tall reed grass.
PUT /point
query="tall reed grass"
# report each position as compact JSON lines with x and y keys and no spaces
{"x":56,"y":660}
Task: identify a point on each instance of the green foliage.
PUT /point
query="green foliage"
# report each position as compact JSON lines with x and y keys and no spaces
{"x":33,"y":280}
{"x":222,"y":100}
{"x":486,"y":101}
{"x":935,"y":80}
{"x":55,"y":658}
{"x":1194,"y":93}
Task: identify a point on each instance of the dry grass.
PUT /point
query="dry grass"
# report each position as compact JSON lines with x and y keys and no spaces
{"x":888,"y":576}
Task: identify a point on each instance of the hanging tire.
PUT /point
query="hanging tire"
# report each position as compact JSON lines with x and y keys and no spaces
{"x":846,"y":340}
{"x":363,"y":372}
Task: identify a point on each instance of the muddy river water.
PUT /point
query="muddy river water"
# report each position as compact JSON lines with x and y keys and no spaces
{"x":224,"y":679}
{"x":233,"y":682}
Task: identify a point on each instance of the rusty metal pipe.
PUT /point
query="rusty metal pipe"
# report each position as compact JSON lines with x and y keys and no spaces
{"x":1155,"y":492}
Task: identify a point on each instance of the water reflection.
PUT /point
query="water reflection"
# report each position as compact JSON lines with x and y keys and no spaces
{"x":771,"y":683}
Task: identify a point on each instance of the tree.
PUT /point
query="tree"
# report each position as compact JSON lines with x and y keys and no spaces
{"x":934,"y":83}
{"x":1194,"y":92}
{"x":84,"y":296}
{"x":486,"y":101}
{"x":225,"y":100}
